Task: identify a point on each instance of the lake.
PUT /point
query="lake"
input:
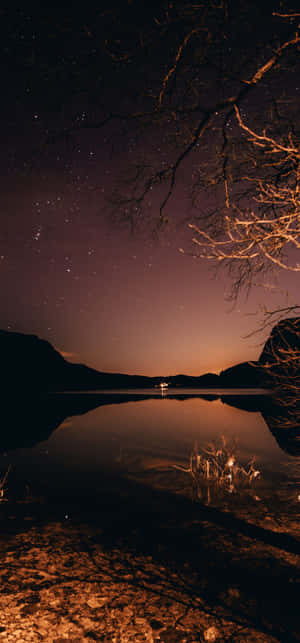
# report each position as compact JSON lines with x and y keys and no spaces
{"x":132,"y":513}
{"x":63,"y":445}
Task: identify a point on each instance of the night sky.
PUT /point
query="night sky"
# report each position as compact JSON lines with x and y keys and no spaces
{"x":103,"y":295}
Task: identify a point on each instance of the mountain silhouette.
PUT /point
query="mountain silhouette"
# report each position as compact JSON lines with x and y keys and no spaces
{"x":33,"y":370}
{"x":284,"y":338}
{"x":243,"y":375}
{"x":29,"y":362}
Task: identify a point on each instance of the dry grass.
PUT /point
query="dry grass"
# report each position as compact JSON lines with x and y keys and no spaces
{"x":216,"y":468}
{"x":3,"y":488}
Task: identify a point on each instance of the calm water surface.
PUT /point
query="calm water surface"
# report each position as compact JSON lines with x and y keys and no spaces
{"x":132,"y":432}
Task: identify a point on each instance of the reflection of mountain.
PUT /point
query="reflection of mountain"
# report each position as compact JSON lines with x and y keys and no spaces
{"x":284,"y":423}
{"x":28,"y":420}
{"x":31,"y":420}
{"x":287,"y":438}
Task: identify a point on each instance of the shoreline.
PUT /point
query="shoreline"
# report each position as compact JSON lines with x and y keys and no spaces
{"x":146,"y":564}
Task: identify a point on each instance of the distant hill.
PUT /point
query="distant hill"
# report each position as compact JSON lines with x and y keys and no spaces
{"x":29,"y":362}
{"x":32,"y":363}
{"x":208,"y":380}
{"x":243,"y":375}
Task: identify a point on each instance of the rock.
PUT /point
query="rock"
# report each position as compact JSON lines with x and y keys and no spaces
{"x":96,"y":602}
{"x":155,"y":624}
{"x":211,"y":634}
{"x":170,"y":635}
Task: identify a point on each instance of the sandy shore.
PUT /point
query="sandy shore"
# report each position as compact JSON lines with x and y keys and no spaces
{"x":146,"y":565}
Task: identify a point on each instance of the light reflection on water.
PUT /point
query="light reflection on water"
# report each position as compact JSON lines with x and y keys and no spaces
{"x":134,"y":433}
{"x":160,"y":426}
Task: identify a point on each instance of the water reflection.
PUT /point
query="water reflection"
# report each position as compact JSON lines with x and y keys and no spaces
{"x":32,"y":420}
{"x":68,"y":442}
{"x":215,"y":471}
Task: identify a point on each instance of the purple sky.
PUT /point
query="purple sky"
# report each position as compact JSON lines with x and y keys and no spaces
{"x":105,"y":297}
{"x":102,"y":296}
